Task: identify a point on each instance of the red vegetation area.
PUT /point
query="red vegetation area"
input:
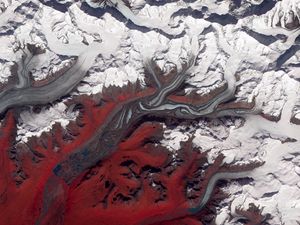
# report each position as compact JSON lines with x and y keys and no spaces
{"x":129,"y":187}
{"x":136,"y":185}
{"x":141,"y":183}
{"x":26,"y":168}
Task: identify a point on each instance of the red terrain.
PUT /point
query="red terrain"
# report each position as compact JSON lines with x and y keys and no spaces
{"x":140,"y":183}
